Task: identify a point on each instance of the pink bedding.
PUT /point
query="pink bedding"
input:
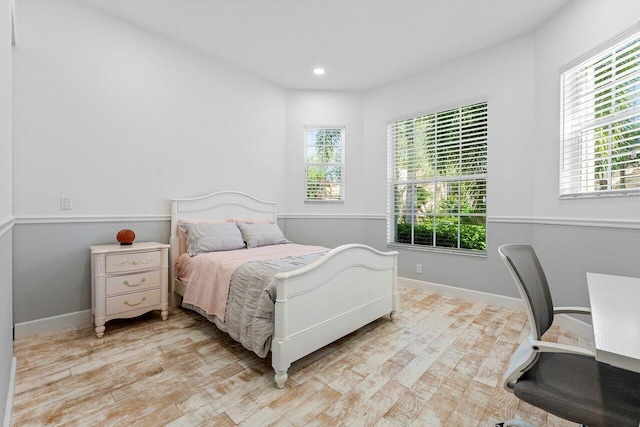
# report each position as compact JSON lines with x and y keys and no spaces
{"x":208,"y":276}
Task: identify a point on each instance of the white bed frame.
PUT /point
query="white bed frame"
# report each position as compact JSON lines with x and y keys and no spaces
{"x":349,"y":287}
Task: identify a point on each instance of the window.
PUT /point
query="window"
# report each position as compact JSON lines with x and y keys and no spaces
{"x":438,"y":179}
{"x":600,"y":120}
{"x":324,"y":163}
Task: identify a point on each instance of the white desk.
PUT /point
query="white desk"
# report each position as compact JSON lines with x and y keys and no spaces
{"x":615,"y":309}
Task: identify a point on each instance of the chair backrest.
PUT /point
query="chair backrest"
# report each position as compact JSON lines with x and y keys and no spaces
{"x":532,"y":284}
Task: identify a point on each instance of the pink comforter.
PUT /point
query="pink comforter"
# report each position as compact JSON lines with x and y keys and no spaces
{"x":208,"y":276}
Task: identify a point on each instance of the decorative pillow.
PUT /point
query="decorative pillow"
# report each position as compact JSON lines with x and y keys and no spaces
{"x":195,"y":221}
{"x":211,"y":237}
{"x":261,"y":234}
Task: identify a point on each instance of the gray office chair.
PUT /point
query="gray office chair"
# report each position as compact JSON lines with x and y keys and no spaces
{"x":563,"y":380}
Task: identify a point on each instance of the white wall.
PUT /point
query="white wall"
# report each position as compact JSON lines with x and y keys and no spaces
{"x":578,"y":28}
{"x":319,"y":108}
{"x":5,"y":109}
{"x":503,"y":75}
{"x":122,"y":120}
{"x":6,"y":220}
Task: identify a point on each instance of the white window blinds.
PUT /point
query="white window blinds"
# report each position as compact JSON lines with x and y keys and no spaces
{"x":324,"y":164}
{"x":438,"y":179}
{"x":600,"y":120}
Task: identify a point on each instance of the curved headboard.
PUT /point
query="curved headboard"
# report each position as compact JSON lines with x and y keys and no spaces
{"x":218,"y":206}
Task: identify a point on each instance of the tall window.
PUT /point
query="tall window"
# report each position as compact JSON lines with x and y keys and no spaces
{"x":600,"y":120}
{"x":324,"y":163}
{"x":438,"y":179}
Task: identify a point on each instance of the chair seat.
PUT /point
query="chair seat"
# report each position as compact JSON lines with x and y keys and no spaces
{"x":580,"y":389}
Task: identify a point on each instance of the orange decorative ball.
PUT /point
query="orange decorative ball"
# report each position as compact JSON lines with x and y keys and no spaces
{"x":126,"y":236}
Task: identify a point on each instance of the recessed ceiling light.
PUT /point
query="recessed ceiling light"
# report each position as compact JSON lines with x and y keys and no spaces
{"x":318,"y":71}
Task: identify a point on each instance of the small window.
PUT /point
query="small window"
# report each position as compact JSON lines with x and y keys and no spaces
{"x":324,"y":164}
{"x":438,"y":180}
{"x":600,"y":120}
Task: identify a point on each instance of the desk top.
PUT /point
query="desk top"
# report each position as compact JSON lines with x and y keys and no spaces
{"x":615,"y":310}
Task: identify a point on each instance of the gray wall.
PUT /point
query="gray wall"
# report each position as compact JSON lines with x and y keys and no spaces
{"x":480,"y":273}
{"x":568,"y":252}
{"x":330,"y":232}
{"x":6,"y":321}
{"x":52,"y":266}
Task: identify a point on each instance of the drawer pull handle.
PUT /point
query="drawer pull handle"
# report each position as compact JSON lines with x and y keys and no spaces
{"x":133,"y":285}
{"x":125,"y":262}
{"x":135,"y":303}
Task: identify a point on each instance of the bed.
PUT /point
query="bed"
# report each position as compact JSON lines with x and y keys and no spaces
{"x":338,"y":292}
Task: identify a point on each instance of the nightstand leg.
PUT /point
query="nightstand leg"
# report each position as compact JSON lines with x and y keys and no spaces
{"x":98,"y":292}
{"x":100,"y":327}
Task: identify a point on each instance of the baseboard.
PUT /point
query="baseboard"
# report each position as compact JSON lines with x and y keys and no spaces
{"x":10,"y":391}
{"x":83,"y":318}
{"x":52,"y":324}
{"x":569,"y":323}
{"x":465,"y":294}
{"x":578,"y":327}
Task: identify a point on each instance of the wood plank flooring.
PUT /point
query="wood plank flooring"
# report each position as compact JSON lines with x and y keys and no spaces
{"x":439,"y":363}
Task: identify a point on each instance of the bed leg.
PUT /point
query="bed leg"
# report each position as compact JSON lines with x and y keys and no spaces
{"x":392,"y":316}
{"x":281,"y":378}
{"x":175,"y":300}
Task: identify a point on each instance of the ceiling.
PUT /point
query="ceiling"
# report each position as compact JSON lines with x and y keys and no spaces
{"x":360,"y":43}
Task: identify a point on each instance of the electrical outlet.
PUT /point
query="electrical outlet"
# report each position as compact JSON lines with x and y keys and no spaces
{"x":65,"y":203}
{"x":418,"y":268}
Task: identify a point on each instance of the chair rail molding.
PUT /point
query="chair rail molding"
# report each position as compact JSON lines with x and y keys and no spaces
{"x":569,"y":222}
{"x":6,"y":224}
{"x":331,"y":216}
{"x":59,"y":219}
{"x":9,"y":221}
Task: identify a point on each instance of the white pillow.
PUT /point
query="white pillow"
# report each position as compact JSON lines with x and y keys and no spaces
{"x":261,"y":234}
{"x":211,"y":237}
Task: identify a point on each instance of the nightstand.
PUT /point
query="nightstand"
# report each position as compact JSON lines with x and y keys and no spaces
{"x":127,"y":281}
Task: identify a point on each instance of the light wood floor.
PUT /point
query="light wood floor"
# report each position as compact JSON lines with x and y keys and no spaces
{"x":439,"y":363}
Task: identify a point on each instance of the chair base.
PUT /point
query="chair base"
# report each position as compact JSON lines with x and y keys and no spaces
{"x":515,"y":423}
{"x":519,"y":423}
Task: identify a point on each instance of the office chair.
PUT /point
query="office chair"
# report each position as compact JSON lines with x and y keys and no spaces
{"x":563,"y":380}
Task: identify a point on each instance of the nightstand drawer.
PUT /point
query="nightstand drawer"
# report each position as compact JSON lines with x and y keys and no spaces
{"x":134,"y":301}
{"x":116,"y":263}
{"x":133,"y":282}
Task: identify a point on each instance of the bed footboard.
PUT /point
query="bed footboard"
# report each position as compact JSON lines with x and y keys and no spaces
{"x":344,"y":290}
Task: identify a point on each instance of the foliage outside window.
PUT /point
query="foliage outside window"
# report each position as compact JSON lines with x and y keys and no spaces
{"x":324,"y":164}
{"x":601,"y":121}
{"x":438,"y":179}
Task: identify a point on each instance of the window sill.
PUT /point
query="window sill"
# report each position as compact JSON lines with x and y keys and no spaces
{"x":325,"y":202}
{"x":417,"y":248}
{"x":601,"y":194}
